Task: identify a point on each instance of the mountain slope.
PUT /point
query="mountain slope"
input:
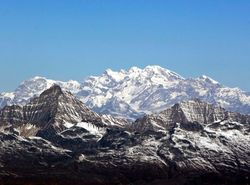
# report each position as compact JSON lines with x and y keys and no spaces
{"x":33,"y":88}
{"x":136,"y":92}
{"x":190,"y":143}
{"x":52,"y":112}
{"x":154,"y":89}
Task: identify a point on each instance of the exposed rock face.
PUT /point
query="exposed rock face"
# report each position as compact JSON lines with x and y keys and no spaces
{"x":188,"y":113}
{"x":201,"y":138}
{"x":55,"y":139}
{"x":51,"y":111}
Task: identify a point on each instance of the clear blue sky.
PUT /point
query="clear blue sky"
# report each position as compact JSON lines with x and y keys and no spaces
{"x":64,"y":39}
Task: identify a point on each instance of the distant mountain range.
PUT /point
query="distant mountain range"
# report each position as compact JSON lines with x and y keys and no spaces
{"x":136,"y":92}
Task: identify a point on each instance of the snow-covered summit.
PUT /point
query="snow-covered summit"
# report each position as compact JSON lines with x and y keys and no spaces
{"x":148,"y":71}
{"x":117,"y":76}
{"x":154,"y":89}
{"x":134,"y":92}
{"x":208,"y":79}
{"x":33,"y":87}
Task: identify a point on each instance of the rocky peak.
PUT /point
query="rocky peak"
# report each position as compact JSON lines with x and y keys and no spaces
{"x":52,"y":111}
{"x":54,"y":90}
{"x":202,"y":112}
{"x":188,"y":113}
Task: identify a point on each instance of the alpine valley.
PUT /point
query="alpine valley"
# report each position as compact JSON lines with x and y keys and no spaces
{"x":138,"y":127}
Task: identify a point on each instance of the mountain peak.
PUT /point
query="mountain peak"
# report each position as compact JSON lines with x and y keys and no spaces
{"x":163,"y":72}
{"x":134,"y":69}
{"x":155,"y":67}
{"x":37,"y":78}
{"x":141,"y":90}
{"x":114,"y":75}
{"x":108,"y":71}
{"x":51,"y":112}
{"x":197,"y":110}
{"x":208,"y":79}
{"x":55,"y":89}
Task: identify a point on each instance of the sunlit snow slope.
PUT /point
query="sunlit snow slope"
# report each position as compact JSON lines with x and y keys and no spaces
{"x":133,"y":93}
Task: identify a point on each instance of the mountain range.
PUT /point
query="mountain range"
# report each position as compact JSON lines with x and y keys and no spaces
{"x":56,"y":139}
{"x":134,"y":93}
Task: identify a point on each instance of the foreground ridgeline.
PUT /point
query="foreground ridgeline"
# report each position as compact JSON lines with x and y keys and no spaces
{"x":136,"y":92}
{"x":56,"y":139}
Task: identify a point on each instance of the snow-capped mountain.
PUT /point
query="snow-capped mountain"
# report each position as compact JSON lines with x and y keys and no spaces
{"x":33,"y":88}
{"x":136,"y":92}
{"x":153,"y":89}
{"x":56,"y":139}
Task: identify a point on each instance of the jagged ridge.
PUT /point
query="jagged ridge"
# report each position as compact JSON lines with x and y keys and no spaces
{"x":133,"y":93}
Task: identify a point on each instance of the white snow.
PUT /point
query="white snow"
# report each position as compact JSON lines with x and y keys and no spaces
{"x":68,"y":125}
{"x":89,"y":127}
{"x":135,"y":91}
{"x":34,"y":87}
{"x":204,"y":77}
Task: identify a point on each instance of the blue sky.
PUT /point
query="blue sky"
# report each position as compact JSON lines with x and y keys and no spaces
{"x":63,"y":39}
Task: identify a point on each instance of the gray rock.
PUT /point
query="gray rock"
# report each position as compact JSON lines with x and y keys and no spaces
{"x":56,"y":139}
